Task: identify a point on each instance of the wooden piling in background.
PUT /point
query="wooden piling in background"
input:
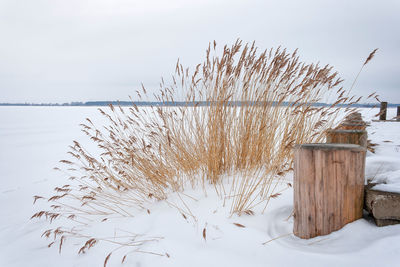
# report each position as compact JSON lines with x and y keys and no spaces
{"x":398,"y":113}
{"x":357,"y":137}
{"x":353,"y":116}
{"x":383,"y":111}
{"x":353,"y":121}
{"x":328,"y":187}
{"x":354,"y":125}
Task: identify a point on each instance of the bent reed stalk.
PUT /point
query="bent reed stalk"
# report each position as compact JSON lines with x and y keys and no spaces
{"x":244,"y":113}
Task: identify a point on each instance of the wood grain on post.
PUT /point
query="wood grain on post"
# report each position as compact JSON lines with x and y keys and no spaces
{"x":357,"y":137}
{"x":328,"y":187}
{"x":382,"y":113}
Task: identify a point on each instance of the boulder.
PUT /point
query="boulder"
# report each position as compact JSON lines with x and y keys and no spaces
{"x":384,"y":207}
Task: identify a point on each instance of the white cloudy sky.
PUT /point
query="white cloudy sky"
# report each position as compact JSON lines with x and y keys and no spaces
{"x":82,"y":50}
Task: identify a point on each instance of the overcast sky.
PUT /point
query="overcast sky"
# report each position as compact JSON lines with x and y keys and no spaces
{"x":82,"y":50}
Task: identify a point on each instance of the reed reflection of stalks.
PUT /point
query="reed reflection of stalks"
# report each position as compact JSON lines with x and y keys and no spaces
{"x":244,"y":111}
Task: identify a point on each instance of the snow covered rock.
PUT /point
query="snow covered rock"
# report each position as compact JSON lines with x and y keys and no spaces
{"x":383,"y":206}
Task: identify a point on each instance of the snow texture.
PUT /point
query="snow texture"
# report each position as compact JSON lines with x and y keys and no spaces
{"x":383,"y":167}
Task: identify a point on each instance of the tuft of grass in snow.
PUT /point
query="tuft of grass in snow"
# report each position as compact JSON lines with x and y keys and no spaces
{"x":244,"y":113}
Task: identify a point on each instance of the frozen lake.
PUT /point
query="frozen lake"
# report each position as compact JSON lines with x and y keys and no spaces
{"x":34,"y":139}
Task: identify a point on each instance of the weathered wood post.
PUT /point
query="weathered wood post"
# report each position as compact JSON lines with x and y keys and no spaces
{"x":383,"y":110}
{"x":398,"y":113}
{"x":352,"y":125}
{"x":353,"y":121}
{"x":353,"y":116}
{"x":357,"y":137}
{"x":328,"y":187}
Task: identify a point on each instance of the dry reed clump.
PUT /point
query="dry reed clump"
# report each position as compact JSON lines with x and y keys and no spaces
{"x":241,"y":115}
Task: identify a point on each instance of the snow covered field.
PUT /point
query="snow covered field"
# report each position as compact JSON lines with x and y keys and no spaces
{"x":34,"y":139}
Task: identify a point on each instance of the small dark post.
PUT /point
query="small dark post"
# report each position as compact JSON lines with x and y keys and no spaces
{"x":398,"y":113}
{"x":382,"y":113}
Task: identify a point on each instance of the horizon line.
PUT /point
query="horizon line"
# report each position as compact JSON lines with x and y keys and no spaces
{"x":172,"y":103}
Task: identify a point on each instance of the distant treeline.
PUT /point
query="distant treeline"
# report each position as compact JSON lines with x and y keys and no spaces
{"x":169,"y":104}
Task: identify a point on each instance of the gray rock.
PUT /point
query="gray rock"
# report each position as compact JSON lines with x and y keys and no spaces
{"x":383,"y":206}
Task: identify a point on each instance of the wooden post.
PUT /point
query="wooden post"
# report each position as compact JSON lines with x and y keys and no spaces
{"x":357,"y":137}
{"x":382,"y":113}
{"x":355,"y":116}
{"x":328,"y":187}
{"x":354,"y":125}
{"x":398,"y":113}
